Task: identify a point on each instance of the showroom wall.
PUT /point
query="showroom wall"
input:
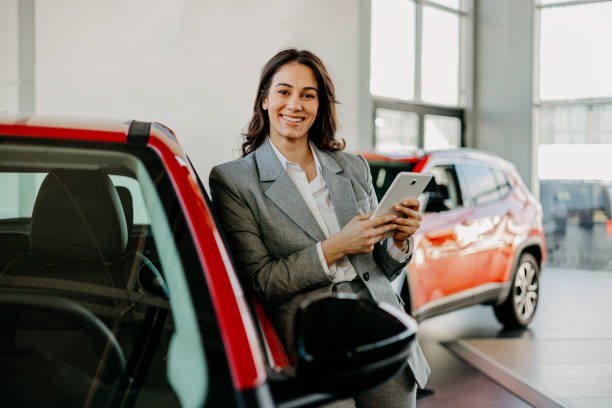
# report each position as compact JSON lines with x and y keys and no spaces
{"x":190,"y":64}
{"x":17,"y":62}
{"x":503,"y":94}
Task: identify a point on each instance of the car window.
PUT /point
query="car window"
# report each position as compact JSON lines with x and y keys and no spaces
{"x":446,"y":186}
{"x":383,"y":174}
{"x":502,"y":183}
{"x":90,"y":315}
{"x":480,"y":185}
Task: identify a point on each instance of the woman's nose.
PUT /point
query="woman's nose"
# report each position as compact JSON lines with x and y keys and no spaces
{"x":295,"y":104}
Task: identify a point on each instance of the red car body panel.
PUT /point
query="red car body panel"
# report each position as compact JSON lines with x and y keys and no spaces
{"x":246,"y":359}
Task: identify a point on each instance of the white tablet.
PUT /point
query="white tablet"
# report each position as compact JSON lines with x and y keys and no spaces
{"x":405,"y":185}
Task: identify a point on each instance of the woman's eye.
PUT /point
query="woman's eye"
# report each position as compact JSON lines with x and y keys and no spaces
{"x":283,"y":92}
{"x":309,"y":96}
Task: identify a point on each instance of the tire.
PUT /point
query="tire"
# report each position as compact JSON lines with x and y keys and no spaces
{"x":519,"y":308}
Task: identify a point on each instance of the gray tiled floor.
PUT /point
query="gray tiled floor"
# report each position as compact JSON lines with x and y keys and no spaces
{"x":566,"y":350}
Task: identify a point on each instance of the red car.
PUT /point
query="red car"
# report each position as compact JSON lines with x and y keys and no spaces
{"x":481,"y":240}
{"x":116,"y":288}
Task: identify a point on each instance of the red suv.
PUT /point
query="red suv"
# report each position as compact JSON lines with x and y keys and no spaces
{"x":481,"y":240}
{"x":116,"y":288}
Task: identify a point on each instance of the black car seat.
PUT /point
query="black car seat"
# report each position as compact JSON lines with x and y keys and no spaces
{"x":78,"y":238}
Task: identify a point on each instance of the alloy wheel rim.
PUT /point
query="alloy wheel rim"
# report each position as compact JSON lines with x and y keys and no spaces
{"x":525,"y":291}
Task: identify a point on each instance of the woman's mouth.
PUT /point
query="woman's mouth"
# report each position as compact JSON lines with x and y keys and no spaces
{"x":292,"y":119}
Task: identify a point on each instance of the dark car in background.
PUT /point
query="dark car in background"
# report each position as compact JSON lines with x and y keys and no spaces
{"x":481,"y":240}
{"x":116,"y":288}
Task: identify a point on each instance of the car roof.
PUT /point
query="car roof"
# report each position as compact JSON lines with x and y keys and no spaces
{"x":63,"y":127}
{"x":460,"y":154}
{"x":79,"y":128}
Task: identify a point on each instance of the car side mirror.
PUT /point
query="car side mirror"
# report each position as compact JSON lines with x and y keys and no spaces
{"x":347,"y":345}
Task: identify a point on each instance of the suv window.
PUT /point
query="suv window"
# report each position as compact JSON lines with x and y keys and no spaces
{"x":480,"y":185}
{"x":446,"y":186}
{"x":501,"y":180}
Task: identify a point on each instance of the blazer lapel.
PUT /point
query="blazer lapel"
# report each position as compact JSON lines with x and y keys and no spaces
{"x":340,"y":187}
{"x":343,"y":197}
{"x":279,"y":188}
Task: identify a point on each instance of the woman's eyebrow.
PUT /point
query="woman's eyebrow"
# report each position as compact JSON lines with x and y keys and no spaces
{"x":291,"y":86}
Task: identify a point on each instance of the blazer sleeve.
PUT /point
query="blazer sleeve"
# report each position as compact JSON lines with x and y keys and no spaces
{"x":391,"y":268}
{"x":272,"y":279}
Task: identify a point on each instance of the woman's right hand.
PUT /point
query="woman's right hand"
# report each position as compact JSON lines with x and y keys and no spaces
{"x":357,"y":237}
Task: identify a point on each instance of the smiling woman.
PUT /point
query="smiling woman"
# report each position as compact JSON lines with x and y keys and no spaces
{"x":296,"y":211}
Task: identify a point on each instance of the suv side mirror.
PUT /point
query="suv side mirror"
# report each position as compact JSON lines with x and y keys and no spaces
{"x":347,"y":345}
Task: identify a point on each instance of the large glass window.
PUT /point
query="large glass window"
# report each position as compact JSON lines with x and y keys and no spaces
{"x":573,"y":112}
{"x":392,"y":49}
{"x":575,"y":61}
{"x":417,"y":49}
{"x":396,"y":131}
{"x":440,"y":60}
{"x":442,"y":132}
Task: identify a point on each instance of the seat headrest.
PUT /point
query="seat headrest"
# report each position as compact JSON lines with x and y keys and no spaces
{"x":128,"y":207}
{"x":77,"y":216}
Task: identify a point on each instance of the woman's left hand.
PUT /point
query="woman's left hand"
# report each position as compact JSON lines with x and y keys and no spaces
{"x":408,"y":221}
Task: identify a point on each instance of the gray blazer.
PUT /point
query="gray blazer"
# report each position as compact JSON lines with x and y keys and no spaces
{"x":273,"y":235}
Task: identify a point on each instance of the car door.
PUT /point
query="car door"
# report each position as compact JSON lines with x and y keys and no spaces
{"x":442,"y":265}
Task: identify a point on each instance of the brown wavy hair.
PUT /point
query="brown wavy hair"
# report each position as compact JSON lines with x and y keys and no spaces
{"x":323,"y":130}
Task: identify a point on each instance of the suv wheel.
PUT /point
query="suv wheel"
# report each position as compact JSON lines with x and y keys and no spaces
{"x":518,"y":309}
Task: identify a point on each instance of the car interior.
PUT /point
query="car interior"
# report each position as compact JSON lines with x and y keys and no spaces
{"x":84,"y":311}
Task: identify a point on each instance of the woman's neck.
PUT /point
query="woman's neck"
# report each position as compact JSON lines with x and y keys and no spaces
{"x":296,"y":151}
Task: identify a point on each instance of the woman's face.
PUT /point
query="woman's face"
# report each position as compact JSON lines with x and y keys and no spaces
{"x":292,"y":102}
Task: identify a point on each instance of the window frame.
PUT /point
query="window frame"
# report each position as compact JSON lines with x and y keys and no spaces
{"x":421,"y":110}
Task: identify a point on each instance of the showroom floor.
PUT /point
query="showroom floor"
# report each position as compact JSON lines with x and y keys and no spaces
{"x":562,"y":360}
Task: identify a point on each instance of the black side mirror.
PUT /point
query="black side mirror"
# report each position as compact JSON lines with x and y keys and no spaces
{"x":347,"y":345}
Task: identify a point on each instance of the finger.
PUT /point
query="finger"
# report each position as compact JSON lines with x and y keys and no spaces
{"x":407,"y":211}
{"x":408,"y":222}
{"x":411,"y":203}
{"x":404,"y":232}
{"x":361,"y":217}
{"x":382,"y":230}
{"x":382,"y":219}
{"x":377,"y":238}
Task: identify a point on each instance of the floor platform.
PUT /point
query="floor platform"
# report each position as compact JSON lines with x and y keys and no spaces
{"x":564,"y":359}
{"x":574,"y":373}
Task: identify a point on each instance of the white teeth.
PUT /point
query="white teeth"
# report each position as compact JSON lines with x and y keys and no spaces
{"x":294,"y":120}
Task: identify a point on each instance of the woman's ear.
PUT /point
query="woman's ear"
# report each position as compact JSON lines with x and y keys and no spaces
{"x":264,"y":103}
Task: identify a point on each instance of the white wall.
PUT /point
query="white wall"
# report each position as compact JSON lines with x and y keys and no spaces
{"x":9,"y":75}
{"x":191,"y":64}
